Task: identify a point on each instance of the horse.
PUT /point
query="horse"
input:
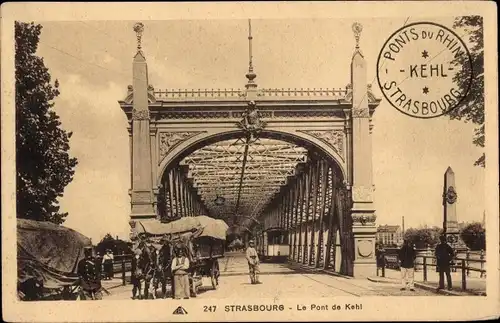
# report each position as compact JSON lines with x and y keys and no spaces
{"x":144,"y":265}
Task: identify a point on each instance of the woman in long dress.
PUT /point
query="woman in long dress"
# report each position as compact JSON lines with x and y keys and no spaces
{"x":108,"y":264}
{"x":180,"y":267}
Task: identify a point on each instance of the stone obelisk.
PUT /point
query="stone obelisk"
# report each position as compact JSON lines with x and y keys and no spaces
{"x":450,"y":223}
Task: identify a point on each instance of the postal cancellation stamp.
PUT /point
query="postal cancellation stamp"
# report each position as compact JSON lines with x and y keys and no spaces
{"x":417,"y":67}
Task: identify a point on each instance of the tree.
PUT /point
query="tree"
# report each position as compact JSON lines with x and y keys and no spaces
{"x":44,"y":167}
{"x":472,"y":107}
{"x":474,"y":236}
{"x":423,"y":237}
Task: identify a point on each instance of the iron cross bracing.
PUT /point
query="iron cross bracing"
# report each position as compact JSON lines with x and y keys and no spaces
{"x":215,"y":170}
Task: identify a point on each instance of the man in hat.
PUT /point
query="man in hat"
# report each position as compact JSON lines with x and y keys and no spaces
{"x":407,"y":257}
{"x":90,"y":282}
{"x":253,"y":263}
{"x":444,"y":257}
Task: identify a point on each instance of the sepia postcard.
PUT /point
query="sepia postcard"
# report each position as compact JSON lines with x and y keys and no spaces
{"x":274,"y":161}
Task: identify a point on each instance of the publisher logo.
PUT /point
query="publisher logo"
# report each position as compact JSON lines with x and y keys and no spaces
{"x":180,"y":310}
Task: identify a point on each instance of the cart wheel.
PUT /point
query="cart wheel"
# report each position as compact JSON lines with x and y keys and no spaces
{"x":214,"y":274}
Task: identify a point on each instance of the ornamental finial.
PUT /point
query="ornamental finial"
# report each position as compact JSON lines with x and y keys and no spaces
{"x":251,"y":74}
{"x":139,"y":29}
{"x":357,"y":28}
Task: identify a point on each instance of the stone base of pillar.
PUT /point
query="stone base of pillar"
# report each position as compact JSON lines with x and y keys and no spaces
{"x":362,"y":270}
{"x":143,"y":206}
{"x":147,"y":216}
{"x":364,"y":233}
{"x":143,"y":211}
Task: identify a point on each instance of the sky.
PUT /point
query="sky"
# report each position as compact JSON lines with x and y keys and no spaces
{"x":93,"y":63}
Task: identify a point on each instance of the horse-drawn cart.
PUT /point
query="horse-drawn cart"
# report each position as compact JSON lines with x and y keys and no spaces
{"x":205,"y":263}
{"x":47,"y":259}
{"x":203,"y":239}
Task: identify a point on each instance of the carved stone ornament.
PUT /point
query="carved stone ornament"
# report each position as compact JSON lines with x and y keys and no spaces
{"x":251,"y":122}
{"x":364,"y":218}
{"x":362,"y":194}
{"x":140,"y":114}
{"x":357,"y":28}
{"x":360,"y":113}
{"x":169,"y":140}
{"x":451,"y":238}
{"x":333,"y":138}
{"x":451,"y":195}
{"x":365,"y":248}
{"x":139,"y":29}
{"x":369,"y":94}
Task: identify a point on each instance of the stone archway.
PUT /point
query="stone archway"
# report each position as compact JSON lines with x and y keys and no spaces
{"x":330,"y":142}
{"x":326,"y":192}
{"x":166,"y":124}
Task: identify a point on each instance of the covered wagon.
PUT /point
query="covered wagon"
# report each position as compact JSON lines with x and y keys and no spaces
{"x":47,"y":260}
{"x":203,"y":237}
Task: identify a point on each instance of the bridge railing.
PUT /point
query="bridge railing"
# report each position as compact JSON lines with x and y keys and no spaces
{"x":121,"y":265}
{"x":466,"y":263}
{"x":196,"y":93}
{"x":294,"y":92}
{"x":239,"y":93}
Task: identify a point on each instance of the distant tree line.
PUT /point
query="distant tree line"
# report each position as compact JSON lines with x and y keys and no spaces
{"x":473,"y":235}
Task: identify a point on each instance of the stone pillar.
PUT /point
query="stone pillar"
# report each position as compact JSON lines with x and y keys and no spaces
{"x":450,"y":223}
{"x":362,"y":211}
{"x":142,"y":182}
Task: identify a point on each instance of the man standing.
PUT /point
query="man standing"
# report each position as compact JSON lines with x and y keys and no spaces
{"x":180,"y":268}
{"x":90,"y":281}
{"x":407,"y":257}
{"x":444,"y":256}
{"x":99,"y":265}
{"x":253,"y":263}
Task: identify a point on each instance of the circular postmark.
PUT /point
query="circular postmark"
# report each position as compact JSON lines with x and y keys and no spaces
{"x":417,"y":70}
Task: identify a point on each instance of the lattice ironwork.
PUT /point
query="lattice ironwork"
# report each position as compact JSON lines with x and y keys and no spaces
{"x":215,"y":170}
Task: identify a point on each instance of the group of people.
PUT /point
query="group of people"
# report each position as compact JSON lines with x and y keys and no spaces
{"x":152,"y":267}
{"x":444,"y":260}
{"x":105,"y":264}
